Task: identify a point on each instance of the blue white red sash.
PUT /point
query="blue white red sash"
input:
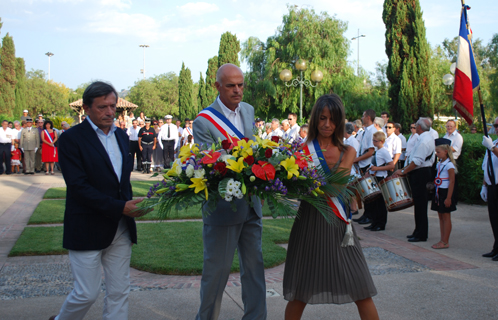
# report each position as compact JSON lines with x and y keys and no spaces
{"x":51,"y":140}
{"x":438,"y":181}
{"x":336,"y":204}
{"x":221,"y":123}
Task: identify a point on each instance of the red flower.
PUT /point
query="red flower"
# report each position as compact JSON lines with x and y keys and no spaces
{"x":246,"y":139}
{"x":268,"y":153}
{"x":210,"y":157}
{"x":225,"y":144}
{"x":301,"y":161}
{"x":221,"y":168}
{"x":275,"y":139}
{"x":264,"y":170}
{"x":249,"y":160}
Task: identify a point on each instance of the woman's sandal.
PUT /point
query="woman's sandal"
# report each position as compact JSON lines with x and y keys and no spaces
{"x":440,"y":245}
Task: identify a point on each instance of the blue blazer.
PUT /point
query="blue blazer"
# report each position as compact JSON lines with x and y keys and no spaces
{"x":95,"y":197}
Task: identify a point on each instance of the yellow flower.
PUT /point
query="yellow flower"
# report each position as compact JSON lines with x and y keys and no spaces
{"x":173,"y":171}
{"x":291,"y":167}
{"x":199,"y":184}
{"x":243,"y":149}
{"x":266,"y":143}
{"x":236,"y":166}
{"x":186,"y":151}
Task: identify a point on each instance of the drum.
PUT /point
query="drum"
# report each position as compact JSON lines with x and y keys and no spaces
{"x":397,"y":193}
{"x":367,"y":188}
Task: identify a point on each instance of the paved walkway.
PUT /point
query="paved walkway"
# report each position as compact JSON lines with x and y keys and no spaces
{"x":454,"y":283}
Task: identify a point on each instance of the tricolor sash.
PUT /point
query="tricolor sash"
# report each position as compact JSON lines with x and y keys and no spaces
{"x":221,"y":123}
{"x":336,"y":204}
{"x":51,"y":140}
{"x":438,"y":181}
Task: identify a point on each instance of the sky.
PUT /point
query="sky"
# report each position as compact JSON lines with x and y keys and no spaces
{"x":99,"y":39}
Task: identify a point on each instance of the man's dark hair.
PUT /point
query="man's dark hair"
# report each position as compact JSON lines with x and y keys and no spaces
{"x":45,"y":124}
{"x":187,"y":119}
{"x":397,"y":126}
{"x":384,"y":112}
{"x":391,"y":122}
{"x":293,"y":115}
{"x":371,"y":114}
{"x":98,"y":89}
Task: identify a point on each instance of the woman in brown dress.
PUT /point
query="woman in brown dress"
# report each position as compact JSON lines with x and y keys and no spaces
{"x":318,"y":269}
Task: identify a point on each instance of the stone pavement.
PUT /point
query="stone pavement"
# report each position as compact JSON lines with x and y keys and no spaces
{"x":413,"y":280}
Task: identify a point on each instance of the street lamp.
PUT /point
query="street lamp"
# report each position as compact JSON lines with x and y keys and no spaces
{"x":144,"y":46}
{"x":49,"y":54}
{"x":449,"y":79}
{"x":358,"y":61}
{"x":286,"y":76}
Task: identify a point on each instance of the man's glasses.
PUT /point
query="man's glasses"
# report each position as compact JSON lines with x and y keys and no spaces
{"x":413,"y":128}
{"x":290,"y":119}
{"x":495,"y":125}
{"x":389,"y":127}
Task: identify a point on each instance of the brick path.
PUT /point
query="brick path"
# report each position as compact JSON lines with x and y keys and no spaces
{"x":16,"y":217}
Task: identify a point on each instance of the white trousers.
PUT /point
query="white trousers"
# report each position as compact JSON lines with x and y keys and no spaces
{"x":87,"y":272}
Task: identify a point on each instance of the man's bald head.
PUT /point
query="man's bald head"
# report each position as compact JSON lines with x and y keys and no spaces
{"x":226,"y":69}
{"x":230,"y":85}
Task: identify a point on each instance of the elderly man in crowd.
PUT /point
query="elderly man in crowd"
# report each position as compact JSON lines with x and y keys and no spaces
{"x":358,"y":128}
{"x":303,"y":132}
{"x":275,"y":127}
{"x":7,"y":136}
{"x":418,"y":168}
{"x":489,"y":191}
{"x":286,"y":130}
{"x":378,"y":123}
{"x":455,"y":137}
{"x":30,"y":142}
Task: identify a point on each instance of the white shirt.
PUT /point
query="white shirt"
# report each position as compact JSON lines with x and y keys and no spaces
{"x":286,"y":134}
{"x":403,"y":146}
{"x":434,"y":133}
{"x":393,"y":145}
{"x":425,"y":147}
{"x":6,"y":136}
{"x":232,"y":116}
{"x":359,"y":134}
{"x":163,"y":134}
{"x":186,"y":132}
{"x":442,"y":172}
{"x":180,"y":131}
{"x":351,"y":141}
{"x":111,"y":146}
{"x":366,"y":143}
{"x":494,"y":160}
{"x":133,"y":133}
{"x":412,"y":141}
{"x":382,"y":158}
{"x":456,"y":142}
{"x":275,"y":133}
{"x":294,"y":133}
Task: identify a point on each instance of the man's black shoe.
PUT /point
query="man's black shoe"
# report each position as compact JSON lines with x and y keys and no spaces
{"x":410,"y":236}
{"x":37,"y":171}
{"x":414,"y":239}
{"x":365,"y":221}
{"x":370,"y":227}
{"x":379,"y":228}
{"x":489,"y":254}
{"x":495,"y":258}
{"x":360,"y":218}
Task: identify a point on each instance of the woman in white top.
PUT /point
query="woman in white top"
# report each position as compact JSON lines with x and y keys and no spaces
{"x":412,"y":140}
{"x":381,"y":164}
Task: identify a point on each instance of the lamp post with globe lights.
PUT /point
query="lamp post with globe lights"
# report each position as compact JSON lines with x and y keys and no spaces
{"x":449,"y":79}
{"x":358,"y":61}
{"x":144,"y":46}
{"x":286,"y":76}
{"x":49,"y":54}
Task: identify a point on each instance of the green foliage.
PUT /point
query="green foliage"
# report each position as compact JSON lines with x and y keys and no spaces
{"x":20,"y":90}
{"x":409,"y":54}
{"x":185,"y":94}
{"x":229,"y":49}
{"x":8,"y":78}
{"x":201,"y":99}
{"x":156,"y":96}
{"x":46,"y":97}
{"x":211,"y":91}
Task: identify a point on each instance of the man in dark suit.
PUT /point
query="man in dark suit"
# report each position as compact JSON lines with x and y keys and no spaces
{"x":224,"y":229}
{"x":99,"y":225}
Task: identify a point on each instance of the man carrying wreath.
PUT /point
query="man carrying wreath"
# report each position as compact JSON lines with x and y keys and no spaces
{"x":224,"y":229}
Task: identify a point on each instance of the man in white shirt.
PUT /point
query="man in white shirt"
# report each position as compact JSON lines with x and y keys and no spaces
{"x":418,"y":167}
{"x":303,"y":132}
{"x":358,"y":128}
{"x":455,"y":137}
{"x":187,"y":132}
{"x":392,"y":144}
{"x":7,"y":136}
{"x":132,"y":132}
{"x":489,"y":191}
{"x":168,"y":139}
{"x":286,"y":130}
{"x":385,"y":116}
{"x":275,"y":127}
{"x":397,"y":131}
{"x":433,"y":132}
{"x":294,"y":127}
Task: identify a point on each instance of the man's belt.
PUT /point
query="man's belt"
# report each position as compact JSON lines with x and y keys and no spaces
{"x":5,"y":143}
{"x":143,"y":142}
{"x":169,"y":140}
{"x":133,"y":140}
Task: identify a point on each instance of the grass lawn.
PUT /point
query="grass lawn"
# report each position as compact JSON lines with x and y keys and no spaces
{"x":140,"y":189}
{"x":164,"y":248}
{"x":52,"y":211}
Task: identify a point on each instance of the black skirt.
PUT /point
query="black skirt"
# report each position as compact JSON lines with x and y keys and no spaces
{"x":438,"y":201}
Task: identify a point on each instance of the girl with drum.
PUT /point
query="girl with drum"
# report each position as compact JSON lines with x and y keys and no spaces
{"x":318,"y":269}
{"x":444,"y":200}
{"x":382,"y":163}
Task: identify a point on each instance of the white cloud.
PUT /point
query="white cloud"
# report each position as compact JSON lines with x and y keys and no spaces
{"x":120,"y":4}
{"x":197,"y":8}
{"x":119,"y":23}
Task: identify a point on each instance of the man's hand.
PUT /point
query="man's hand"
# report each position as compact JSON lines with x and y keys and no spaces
{"x":487,"y":142}
{"x":131,"y":209}
{"x":484,"y":193}
{"x":141,"y":149}
{"x":397,"y":173}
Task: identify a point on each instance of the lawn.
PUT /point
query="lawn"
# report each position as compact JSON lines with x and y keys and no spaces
{"x":164,"y":248}
{"x":140,"y":189}
{"x":52,"y":211}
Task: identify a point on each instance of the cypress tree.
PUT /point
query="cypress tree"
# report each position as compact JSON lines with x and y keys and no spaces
{"x":7,"y":76}
{"x":409,"y":55}
{"x":202,"y":94}
{"x":211,"y":92}
{"x":185,"y":96}
{"x":20,"y":87}
{"x":229,"y":49}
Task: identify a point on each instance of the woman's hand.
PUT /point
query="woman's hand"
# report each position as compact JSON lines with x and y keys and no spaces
{"x":447,"y":202}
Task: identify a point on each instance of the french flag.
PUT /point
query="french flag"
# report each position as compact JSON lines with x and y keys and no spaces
{"x":466,"y":76}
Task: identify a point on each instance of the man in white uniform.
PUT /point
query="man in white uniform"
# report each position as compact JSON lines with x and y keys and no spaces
{"x":455,"y":137}
{"x":392,"y":144}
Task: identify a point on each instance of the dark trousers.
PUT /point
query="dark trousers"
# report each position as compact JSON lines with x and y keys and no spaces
{"x":493,"y":213}
{"x":168,"y":152}
{"x":146,"y":153}
{"x":418,"y":180}
{"x":379,"y":210}
{"x":5,"y":157}
{"x":135,"y":151}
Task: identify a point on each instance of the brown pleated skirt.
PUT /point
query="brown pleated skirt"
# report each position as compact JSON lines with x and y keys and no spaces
{"x":317,"y":269}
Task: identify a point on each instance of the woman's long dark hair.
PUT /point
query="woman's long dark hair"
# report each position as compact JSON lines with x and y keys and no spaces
{"x":336,"y":108}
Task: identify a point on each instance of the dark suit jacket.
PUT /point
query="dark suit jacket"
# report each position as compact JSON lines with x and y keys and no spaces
{"x":95,"y":197}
